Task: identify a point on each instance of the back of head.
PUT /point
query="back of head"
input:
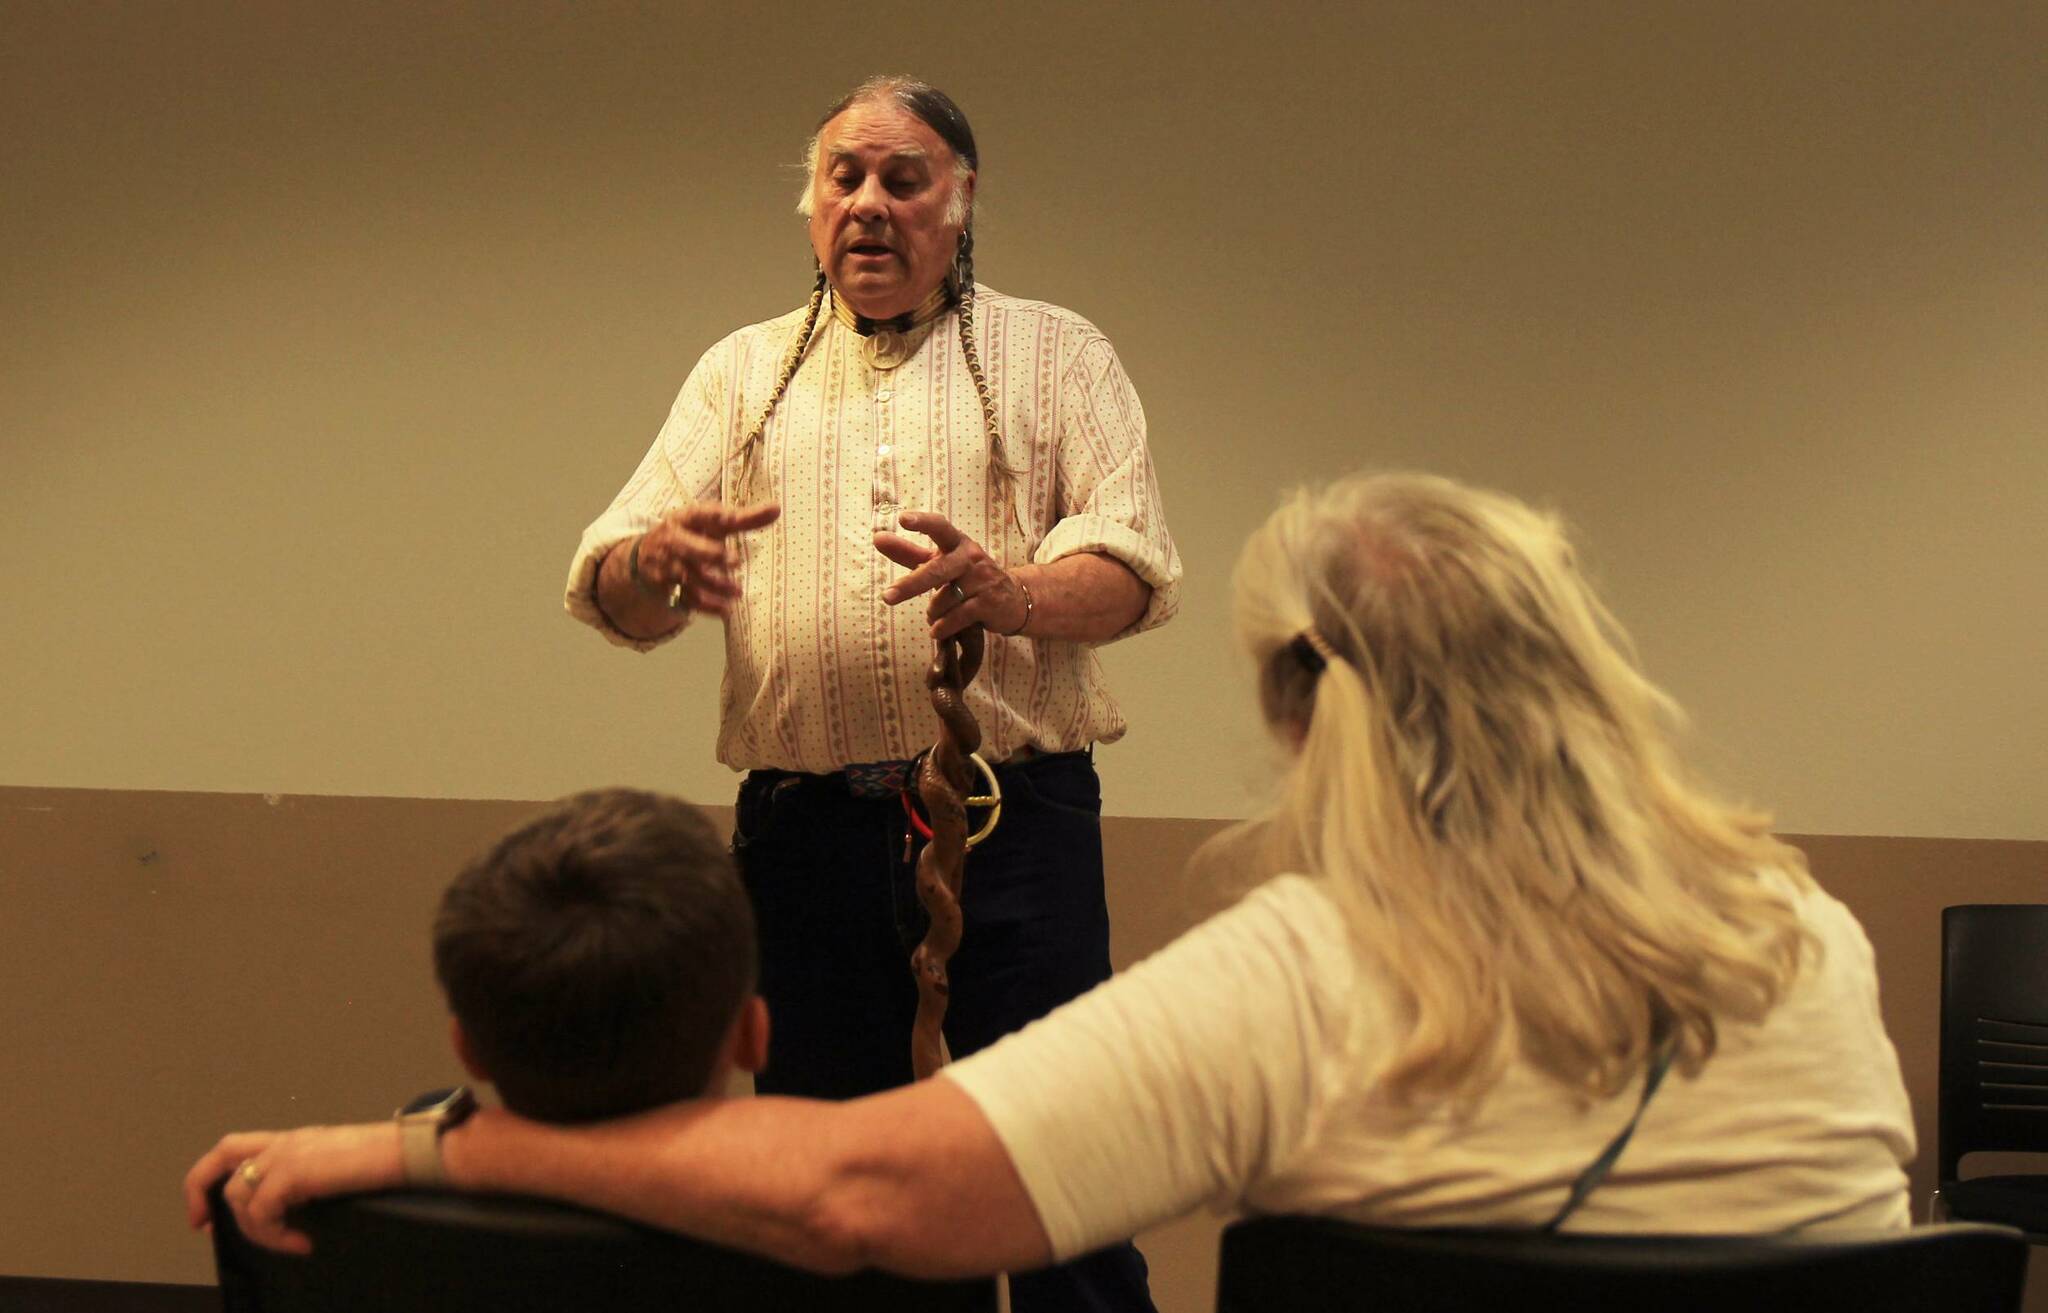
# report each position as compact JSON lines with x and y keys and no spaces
{"x":1487,"y":785}
{"x":597,"y":956}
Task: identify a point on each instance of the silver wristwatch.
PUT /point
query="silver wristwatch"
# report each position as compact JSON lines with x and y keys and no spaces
{"x":421,"y":1124}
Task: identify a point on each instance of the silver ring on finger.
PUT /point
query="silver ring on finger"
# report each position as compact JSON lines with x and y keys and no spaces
{"x":959,"y":593}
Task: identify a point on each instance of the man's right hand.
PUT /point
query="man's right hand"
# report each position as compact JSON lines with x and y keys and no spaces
{"x":687,"y":550}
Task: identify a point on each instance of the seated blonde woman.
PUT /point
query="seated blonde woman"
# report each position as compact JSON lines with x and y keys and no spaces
{"x":1497,"y":910}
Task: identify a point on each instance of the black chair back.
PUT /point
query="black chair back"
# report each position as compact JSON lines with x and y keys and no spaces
{"x":1322,"y":1265}
{"x":1994,"y":1032}
{"x":414,"y":1251}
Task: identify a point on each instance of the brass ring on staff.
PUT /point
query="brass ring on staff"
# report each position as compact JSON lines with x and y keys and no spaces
{"x":993,"y":800}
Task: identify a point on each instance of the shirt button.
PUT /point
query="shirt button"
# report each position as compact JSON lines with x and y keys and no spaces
{"x":882,"y":450}
{"x":885,"y":394}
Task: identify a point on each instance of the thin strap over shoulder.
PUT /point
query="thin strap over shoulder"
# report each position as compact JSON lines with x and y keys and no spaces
{"x":1596,"y":1171}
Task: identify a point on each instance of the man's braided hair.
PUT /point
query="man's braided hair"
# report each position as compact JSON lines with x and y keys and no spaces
{"x":936,"y":110}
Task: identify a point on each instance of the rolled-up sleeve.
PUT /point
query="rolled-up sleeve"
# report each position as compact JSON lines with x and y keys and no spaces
{"x":683,"y":465}
{"x":1110,"y":500}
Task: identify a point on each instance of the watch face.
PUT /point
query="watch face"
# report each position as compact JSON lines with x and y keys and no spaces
{"x":449,"y":1106}
{"x":461,"y":1103}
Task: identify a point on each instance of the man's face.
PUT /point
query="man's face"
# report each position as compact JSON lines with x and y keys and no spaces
{"x":879,"y":202}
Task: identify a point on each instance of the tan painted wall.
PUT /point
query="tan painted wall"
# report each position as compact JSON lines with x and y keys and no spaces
{"x":173,"y":965}
{"x":325,"y":328}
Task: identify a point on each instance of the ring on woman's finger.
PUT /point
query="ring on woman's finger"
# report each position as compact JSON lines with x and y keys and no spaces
{"x":251,"y":1174}
{"x":959,"y":593}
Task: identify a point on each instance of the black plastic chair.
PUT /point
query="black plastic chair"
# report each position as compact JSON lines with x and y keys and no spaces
{"x":415,"y":1251}
{"x":1994,"y":1061}
{"x":1322,"y":1265}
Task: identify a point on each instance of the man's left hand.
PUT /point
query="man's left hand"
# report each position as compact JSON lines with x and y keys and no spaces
{"x":967,"y":586}
{"x":274,"y":1170}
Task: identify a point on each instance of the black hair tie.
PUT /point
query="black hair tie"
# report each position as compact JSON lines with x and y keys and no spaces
{"x":1305,"y":652}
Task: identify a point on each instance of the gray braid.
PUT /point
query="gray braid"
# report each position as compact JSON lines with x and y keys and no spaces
{"x":998,"y":455}
{"x":750,"y":446}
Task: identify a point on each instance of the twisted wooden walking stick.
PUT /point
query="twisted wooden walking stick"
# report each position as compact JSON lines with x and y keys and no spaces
{"x":944,"y":778}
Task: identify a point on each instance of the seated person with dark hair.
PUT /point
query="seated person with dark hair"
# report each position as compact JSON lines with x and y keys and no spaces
{"x":598,"y":961}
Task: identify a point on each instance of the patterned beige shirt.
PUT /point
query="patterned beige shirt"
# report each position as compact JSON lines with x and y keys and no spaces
{"x":820,"y":673}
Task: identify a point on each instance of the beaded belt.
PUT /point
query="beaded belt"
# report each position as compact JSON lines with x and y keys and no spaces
{"x":878,"y":779}
{"x":887,"y":779}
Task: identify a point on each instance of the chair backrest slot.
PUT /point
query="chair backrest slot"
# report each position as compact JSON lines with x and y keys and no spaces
{"x":1994,"y":1040}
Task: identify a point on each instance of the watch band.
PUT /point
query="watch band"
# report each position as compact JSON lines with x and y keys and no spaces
{"x":419,"y":1150}
{"x":421,"y":1124}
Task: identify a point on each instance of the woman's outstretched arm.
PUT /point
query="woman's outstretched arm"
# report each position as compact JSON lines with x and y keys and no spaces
{"x":913,"y":1180}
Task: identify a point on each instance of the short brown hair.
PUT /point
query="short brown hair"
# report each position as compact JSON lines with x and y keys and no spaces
{"x":597,"y":956}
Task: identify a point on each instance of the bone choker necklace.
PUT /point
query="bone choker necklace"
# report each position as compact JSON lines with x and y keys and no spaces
{"x":887,"y":343}
{"x":942,"y":299}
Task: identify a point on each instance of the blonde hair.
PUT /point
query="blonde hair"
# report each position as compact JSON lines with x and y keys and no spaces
{"x":1485,"y":785}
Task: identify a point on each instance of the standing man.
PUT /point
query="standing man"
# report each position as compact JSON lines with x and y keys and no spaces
{"x":1003,"y":435}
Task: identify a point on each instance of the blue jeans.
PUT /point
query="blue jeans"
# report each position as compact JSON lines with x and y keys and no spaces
{"x":833,"y":886}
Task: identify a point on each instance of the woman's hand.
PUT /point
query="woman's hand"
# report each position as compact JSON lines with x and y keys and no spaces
{"x":275,"y":1170}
